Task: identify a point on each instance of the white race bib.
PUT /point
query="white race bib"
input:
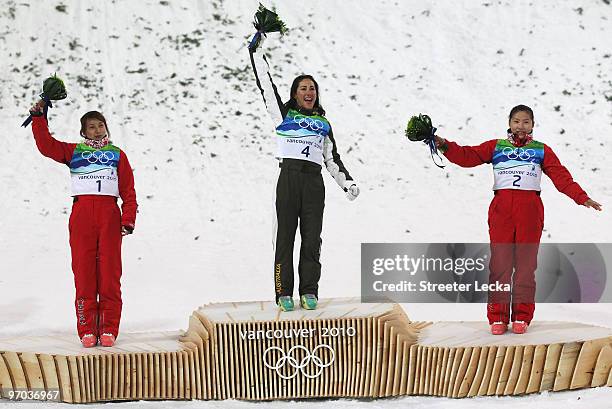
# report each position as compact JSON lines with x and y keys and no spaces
{"x":101,"y":182}
{"x":527,"y":178}
{"x":306,"y":148}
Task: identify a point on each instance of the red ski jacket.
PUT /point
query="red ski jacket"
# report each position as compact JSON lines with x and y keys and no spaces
{"x":470,"y":156}
{"x":62,"y":152}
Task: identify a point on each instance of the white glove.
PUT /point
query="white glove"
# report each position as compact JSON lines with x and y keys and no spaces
{"x":351,"y":189}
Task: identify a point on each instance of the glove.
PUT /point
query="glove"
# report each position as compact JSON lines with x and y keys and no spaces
{"x":351,"y":189}
{"x":127,"y":229}
{"x":37,"y":108}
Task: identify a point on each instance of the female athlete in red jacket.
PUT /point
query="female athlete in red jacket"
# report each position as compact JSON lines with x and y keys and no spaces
{"x":100,"y":174}
{"x":516,"y":214}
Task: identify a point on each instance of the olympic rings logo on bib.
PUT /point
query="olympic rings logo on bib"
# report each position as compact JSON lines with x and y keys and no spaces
{"x":315,"y":125}
{"x":518,"y":153}
{"x":292,"y":361}
{"x":97,"y":157}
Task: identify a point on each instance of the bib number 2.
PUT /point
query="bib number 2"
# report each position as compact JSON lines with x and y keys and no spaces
{"x":517,"y":179}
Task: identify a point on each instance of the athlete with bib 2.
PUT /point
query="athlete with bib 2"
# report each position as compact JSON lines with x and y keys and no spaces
{"x":100,"y":174}
{"x":305,"y":142}
{"x":516,"y":214}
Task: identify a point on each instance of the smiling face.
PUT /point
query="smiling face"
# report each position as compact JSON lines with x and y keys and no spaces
{"x":521,"y":124}
{"x":306,"y":94}
{"x":95,"y":129}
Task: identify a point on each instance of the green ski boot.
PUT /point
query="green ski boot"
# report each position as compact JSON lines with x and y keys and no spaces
{"x":308,"y":302}
{"x":285,"y":303}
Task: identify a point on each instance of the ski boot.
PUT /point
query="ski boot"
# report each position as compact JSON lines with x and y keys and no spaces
{"x":308,"y":302}
{"x":498,"y":328}
{"x":89,"y":341}
{"x":107,"y":339}
{"x":285,"y":303}
{"x":519,"y":327}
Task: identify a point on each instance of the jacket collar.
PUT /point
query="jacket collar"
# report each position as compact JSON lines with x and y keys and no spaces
{"x":97,"y":144}
{"x":514,"y":140}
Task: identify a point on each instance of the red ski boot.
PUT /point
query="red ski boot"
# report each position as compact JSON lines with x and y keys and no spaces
{"x":107,"y":340}
{"x":498,"y":328}
{"x":89,"y":341}
{"x":519,"y":327}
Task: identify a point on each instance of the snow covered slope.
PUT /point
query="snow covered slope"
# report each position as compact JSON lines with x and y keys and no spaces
{"x":174,"y":81}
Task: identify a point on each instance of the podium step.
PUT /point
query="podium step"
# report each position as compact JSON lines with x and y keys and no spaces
{"x":252,"y":351}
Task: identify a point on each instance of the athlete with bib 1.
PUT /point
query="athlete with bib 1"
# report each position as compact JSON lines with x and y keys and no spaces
{"x":305,"y":142}
{"x":516,"y":214}
{"x":100,"y":174}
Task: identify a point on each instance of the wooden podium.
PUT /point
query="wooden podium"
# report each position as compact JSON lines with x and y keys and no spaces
{"x":344,"y":348}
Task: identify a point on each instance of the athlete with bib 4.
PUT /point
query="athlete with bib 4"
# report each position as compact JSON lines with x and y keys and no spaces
{"x":100,"y":174}
{"x":516,"y":214}
{"x":305,"y":142}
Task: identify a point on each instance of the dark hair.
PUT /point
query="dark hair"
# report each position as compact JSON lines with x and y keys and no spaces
{"x":292,"y":103}
{"x":93,"y":115}
{"x":521,"y":108}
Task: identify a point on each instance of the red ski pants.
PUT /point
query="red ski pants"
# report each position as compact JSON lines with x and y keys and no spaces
{"x":95,"y":242}
{"x":516,"y":219}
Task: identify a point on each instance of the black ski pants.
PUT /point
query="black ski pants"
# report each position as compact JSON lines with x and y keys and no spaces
{"x":300,"y":195}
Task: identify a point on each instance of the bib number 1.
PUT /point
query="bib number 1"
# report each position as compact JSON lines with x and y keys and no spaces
{"x":306,"y":151}
{"x":99,"y":182}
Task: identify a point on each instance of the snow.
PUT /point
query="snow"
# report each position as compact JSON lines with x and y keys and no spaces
{"x":174,"y":81}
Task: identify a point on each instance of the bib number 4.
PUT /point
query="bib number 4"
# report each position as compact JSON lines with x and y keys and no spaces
{"x":306,"y":151}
